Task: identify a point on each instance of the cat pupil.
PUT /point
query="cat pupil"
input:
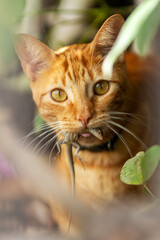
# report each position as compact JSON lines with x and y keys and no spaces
{"x":101,"y":86}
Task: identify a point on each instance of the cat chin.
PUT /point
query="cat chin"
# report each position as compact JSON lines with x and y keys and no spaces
{"x":91,"y":141}
{"x":95,"y":145}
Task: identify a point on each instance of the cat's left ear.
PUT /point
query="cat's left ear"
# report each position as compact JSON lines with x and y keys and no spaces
{"x":107,"y":35}
{"x":33,"y":54}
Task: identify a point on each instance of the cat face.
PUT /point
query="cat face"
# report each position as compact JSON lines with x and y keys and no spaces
{"x":68,"y":85}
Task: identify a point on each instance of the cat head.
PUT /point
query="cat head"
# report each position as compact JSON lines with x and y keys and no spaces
{"x":68,"y":85}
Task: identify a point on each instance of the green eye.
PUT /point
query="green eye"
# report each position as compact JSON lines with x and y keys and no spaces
{"x":101,"y":87}
{"x":59,"y":95}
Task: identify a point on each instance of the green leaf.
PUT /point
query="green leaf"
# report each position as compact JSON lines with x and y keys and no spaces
{"x":148,"y":32}
{"x":131,"y":172}
{"x":139,"y":169}
{"x":128,"y":34}
{"x":150,"y":162}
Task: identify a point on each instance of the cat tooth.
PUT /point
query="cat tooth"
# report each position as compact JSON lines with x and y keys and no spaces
{"x":97,"y":133}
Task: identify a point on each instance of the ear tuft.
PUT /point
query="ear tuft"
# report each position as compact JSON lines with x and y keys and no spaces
{"x":107,"y":34}
{"x":33,"y":54}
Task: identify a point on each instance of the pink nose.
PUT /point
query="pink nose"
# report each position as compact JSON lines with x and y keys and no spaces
{"x":84,"y":119}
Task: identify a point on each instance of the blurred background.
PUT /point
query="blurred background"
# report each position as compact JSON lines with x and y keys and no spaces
{"x":56,"y":23}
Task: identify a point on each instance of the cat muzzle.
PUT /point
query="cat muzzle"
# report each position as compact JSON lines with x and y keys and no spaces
{"x":107,"y":146}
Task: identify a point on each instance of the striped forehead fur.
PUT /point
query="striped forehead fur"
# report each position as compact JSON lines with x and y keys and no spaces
{"x":76,"y":62}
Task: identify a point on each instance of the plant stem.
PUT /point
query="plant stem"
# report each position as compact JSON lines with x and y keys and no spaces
{"x":148,"y":190}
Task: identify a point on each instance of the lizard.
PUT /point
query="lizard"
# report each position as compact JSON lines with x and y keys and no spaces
{"x":70,"y":140}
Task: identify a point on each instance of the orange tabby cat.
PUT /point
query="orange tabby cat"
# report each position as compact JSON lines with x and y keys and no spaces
{"x":73,"y":96}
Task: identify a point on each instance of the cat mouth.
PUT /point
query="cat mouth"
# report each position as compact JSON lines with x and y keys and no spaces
{"x":96,"y":132}
{"x":109,"y":145}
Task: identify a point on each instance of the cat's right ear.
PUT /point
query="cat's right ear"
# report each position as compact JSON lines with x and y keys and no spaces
{"x":33,"y":54}
{"x":107,"y":35}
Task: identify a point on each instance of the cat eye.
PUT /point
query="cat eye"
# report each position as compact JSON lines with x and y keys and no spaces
{"x":101,"y":87}
{"x":58,"y":95}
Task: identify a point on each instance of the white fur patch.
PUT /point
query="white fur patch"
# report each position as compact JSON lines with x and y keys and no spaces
{"x":61,"y":50}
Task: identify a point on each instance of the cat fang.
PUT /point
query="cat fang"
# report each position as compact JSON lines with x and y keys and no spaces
{"x":97,"y":132}
{"x":105,"y":146}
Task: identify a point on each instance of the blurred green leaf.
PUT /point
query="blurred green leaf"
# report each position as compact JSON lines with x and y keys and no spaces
{"x":148,"y":32}
{"x":128,"y":33}
{"x":139,"y":169}
{"x":150,"y":162}
{"x":131,"y":172}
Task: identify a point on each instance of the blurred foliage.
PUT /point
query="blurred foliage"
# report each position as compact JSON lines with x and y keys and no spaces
{"x":9,"y":11}
{"x":139,"y":169}
{"x":141,"y":27}
{"x":93,"y":17}
{"x":148,"y":32}
{"x":12,"y":14}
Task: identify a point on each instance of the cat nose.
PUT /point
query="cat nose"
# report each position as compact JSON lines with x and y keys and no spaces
{"x":84,"y":119}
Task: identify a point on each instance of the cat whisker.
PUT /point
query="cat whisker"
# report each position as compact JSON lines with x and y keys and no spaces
{"x":118,"y":118}
{"x":99,"y":121}
{"x":47,"y":143}
{"x":50,"y":155}
{"x":130,"y":120}
{"x":128,"y":131}
{"x":134,"y":115}
{"x":39,"y":136}
{"x":122,"y":139}
{"x":40,"y":128}
{"x":65,"y":124}
{"x":35,"y":133}
{"x":51,"y":140}
{"x":48,"y":128}
{"x":51,"y":152}
{"x":125,"y":113}
{"x":125,"y":116}
{"x":50,"y":133}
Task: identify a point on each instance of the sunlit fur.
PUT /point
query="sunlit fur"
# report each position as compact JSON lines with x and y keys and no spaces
{"x":123,"y":110}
